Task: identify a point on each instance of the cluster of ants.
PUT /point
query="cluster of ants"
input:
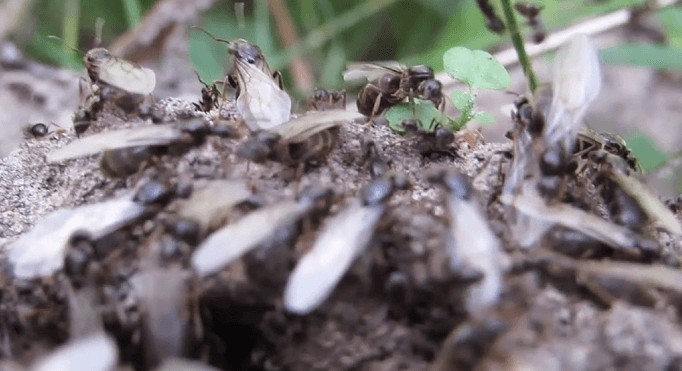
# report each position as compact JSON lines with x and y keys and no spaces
{"x":156,"y":314}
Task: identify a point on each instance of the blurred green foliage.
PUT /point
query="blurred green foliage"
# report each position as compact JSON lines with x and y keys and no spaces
{"x":643,"y":55}
{"x":330,"y":32}
{"x":649,"y":155}
{"x":74,"y":22}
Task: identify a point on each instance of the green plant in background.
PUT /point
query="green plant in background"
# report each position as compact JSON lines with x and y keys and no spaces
{"x":331,"y":32}
{"x":477,"y":69}
{"x":74,"y":22}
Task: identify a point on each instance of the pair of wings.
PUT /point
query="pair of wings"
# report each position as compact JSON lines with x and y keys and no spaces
{"x":261,"y":101}
{"x":294,"y":130}
{"x":371,"y":71}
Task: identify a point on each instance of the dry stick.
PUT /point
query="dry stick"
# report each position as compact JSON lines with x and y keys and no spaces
{"x":301,"y":72}
{"x":592,"y":26}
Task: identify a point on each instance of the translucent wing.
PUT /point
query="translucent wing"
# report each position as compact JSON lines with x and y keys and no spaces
{"x":40,"y":251}
{"x":208,"y":202}
{"x":568,"y":216}
{"x":476,"y":246}
{"x":262,"y":103}
{"x":161,"y":293}
{"x":96,"y":352}
{"x":116,"y":139}
{"x":304,"y":126}
{"x":576,"y":83}
{"x":370,"y":71}
{"x":657,"y":212}
{"x":344,"y":237}
{"x":127,"y":76}
{"x":232,"y":241}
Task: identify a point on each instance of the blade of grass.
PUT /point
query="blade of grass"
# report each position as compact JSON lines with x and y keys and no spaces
{"x":53,"y":51}
{"x":333,"y":63}
{"x":263,"y":38}
{"x":133,"y":11}
{"x":329,"y":30}
{"x":70,"y":25}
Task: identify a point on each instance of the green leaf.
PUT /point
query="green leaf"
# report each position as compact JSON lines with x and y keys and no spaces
{"x":643,"y":55}
{"x":463,"y":100}
{"x":476,"y":68}
{"x":649,"y":155}
{"x":422,"y":110}
{"x":484,"y":118}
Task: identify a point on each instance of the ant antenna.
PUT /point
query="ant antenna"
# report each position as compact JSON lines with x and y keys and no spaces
{"x":199,"y":78}
{"x":53,"y":37}
{"x":211,"y":36}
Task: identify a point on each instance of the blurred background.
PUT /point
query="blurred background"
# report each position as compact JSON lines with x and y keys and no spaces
{"x":323,"y":33}
{"x":311,"y":41}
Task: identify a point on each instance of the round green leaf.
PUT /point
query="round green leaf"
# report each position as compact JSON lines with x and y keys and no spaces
{"x":463,"y":100}
{"x":476,"y":68}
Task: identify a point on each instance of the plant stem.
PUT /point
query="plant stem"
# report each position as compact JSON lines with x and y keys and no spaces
{"x":517,"y":40}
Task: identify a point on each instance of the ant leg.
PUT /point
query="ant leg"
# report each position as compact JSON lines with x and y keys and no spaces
{"x":223,"y":92}
{"x":277,"y":75}
{"x":376,"y":107}
{"x":344,"y":98}
{"x":300,"y":168}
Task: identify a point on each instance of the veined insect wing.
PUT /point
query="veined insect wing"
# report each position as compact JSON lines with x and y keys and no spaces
{"x":577,"y":73}
{"x":618,"y":237}
{"x":262,"y":103}
{"x":576,"y":83}
{"x":343,"y":238}
{"x":232,"y":241}
{"x":472,"y":245}
{"x":116,"y":139}
{"x":311,"y":123}
{"x":658,"y":213}
{"x":206,"y":204}
{"x":120,"y":73}
{"x":40,"y":251}
{"x":371,"y":71}
{"x":161,"y":293}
